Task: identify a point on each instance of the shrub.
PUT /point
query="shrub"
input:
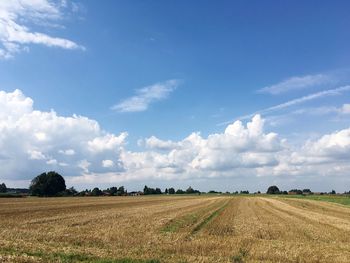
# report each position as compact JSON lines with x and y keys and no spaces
{"x":273,"y":190}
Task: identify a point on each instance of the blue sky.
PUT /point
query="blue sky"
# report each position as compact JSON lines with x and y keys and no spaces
{"x":165,"y":69}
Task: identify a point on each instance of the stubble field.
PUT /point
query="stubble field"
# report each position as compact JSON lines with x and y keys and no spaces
{"x":173,"y":229}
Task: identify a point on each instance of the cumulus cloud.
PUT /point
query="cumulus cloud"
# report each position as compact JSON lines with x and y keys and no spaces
{"x":334,"y":146}
{"x":15,"y":34}
{"x":155,"y":143}
{"x":78,"y":147}
{"x":147,"y":95}
{"x":229,"y":153}
{"x":321,"y":159}
{"x":108,"y":142}
{"x":33,"y":141}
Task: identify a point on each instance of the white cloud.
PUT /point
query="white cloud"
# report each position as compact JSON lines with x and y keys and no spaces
{"x":36,"y":155}
{"x":345,"y":109}
{"x":322,"y":159}
{"x":106,"y":142}
{"x":16,"y":105}
{"x":342,"y":110}
{"x":40,"y":136}
{"x":157,"y":144}
{"x":30,"y":140}
{"x":297,"y":83}
{"x":317,"y":95}
{"x":107,"y":163}
{"x":334,"y":146}
{"x":297,"y":101}
{"x":52,"y":162}
{"x":67,"y":152}
{"x":15,"y":35}
{"x":84,"y":165}
{"x":147,"y":95}
{"x":240,"y":148}
{"x":33,"y":141}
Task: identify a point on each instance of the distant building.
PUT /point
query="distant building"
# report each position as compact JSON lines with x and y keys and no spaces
{"x":135,"y":193}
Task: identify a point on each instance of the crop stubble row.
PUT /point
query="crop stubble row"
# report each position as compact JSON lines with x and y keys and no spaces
{"x":178,"y":229}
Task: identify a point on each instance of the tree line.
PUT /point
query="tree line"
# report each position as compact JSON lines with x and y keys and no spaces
{"x":53,"y":184}
{"x":272,"y":190}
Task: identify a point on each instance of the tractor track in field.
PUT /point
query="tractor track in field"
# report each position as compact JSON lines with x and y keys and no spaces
{"x":209,"y":218}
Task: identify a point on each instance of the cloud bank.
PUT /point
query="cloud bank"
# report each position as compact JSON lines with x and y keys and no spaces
{"x":33,"y":141}
{"x":17,"y":15}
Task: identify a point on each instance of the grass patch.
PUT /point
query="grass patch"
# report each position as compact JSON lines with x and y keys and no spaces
{"x":187,"y":220}
{"x":339,"y":199}
{"x":209,"y":218}
{"x":239,"y":258}
{"x":175,"y":224}
{"x":71,"y":257}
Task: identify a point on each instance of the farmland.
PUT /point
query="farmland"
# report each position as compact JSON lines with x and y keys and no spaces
{"x":340,"y":199}
{"x":173,"y":229}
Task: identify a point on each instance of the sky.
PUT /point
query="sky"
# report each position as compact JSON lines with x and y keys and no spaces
{"x":224,"y":95}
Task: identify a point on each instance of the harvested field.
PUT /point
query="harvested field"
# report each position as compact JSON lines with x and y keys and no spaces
{"x":173,"y":229}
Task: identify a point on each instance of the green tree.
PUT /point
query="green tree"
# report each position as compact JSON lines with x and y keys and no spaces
{"x":68,"y":192}
{"x":273,"y":190}
{"x":171,"y":191}
{"x":3,"y":188}
{"x":113,"y":190}
{"x":96,"y":192}
{"x":151,"y":191}
{"x":307,"y":191}
{"x":189,"y":190}
{"x":146,"y":190}
{"x":180,"y":191}
{"x":47,"y":184}
{"x":121,"y":191}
